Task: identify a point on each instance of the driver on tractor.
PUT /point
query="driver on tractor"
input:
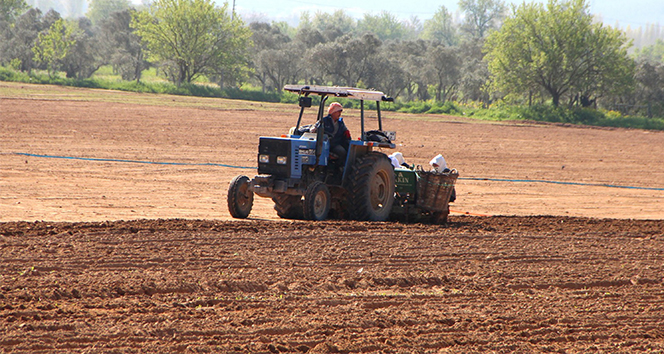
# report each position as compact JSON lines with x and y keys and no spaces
{"x":336,"y":130}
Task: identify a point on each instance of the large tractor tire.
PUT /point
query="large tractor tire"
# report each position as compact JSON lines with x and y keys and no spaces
{"x":317,"y":201}
{"x":371,"y":188}
{"x":240,"y":197}
{"x":440,"y":217}
{"x":288,"y":206}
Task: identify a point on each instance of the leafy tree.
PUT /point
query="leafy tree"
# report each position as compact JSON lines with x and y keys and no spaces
{"x":268,"y":58}
{"x":122,"y":46}
{"x":19,"y":38}
{"x":309,"y":37}
{"x":85,"y":56}
{"x":443,"y":71}
{"x":337,"y":23}
{"x":412,"y":61}
{"x":266,"y":36}
{"x":475,"y":77}
{"x":559,"y":49}
{"x":389,"y":75}
{"x":53,"y":46}
{"x":100,"y":10}
{"x":190,"y":38}
{"x":481,"y":16}
{"x":11,"y":9}
{"x":280,"y":66}
{"x":16,"y":43}
{"x":285,"y":28}
{"x":653,"y":53}
{"x":441,"y":27}
{"x":413,"y":27}
{"x":385,"y":26}
{"x":347,"y":60}
{"x":649,"y":92}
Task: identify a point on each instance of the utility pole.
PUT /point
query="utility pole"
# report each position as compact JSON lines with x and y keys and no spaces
{"x":233,"y":13}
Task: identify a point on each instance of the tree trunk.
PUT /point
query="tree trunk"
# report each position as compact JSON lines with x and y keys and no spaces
{"x":555,"y":97}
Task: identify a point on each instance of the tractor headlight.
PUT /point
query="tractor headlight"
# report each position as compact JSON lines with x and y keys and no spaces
{"x":281,"y":160}
{"x":264,"y":158}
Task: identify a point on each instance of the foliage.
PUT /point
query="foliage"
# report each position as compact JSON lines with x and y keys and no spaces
{"x":84,"y":57}
{"x":332,"y":25}
{"x":481,"y":16}
{"x":424,"y":107}
{"x":276,"y":58}
{"x":645,"y":35}
{"x":19,"y":39}
{"x":647,"y":99}
{"x":190,"y":38}
{"x":652,"y":54}
{"x":121,"y":46}
{"x":558,"y":50}
{"x":577,"y":115}
{"x":441,"y":27}
{"x":438,"y":65}
{"x":443,"y":71}
{"x":100,"y":10}
{"x":385,"y":26}
{"x":53,"y":46}
{"x":347,"y":60}
{"x":11,"y":9}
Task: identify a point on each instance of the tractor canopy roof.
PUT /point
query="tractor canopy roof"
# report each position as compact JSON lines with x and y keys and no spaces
{"x":337,"y":91}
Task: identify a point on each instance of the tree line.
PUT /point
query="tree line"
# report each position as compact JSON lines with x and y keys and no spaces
{"x":530,"y":54}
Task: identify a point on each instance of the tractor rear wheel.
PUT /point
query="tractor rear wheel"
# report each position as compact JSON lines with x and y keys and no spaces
{"x":371,"y":188}
{"x":440,"y":217}
{"x":317,"y":202}
{"x":288,"y":206}
{"x":240,"y":197}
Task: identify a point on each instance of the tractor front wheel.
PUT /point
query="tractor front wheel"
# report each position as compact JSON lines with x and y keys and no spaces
{"x":240,"y":197}
{"x":317,"y":201}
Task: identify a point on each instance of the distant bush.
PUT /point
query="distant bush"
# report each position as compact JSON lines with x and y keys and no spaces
{"x":11,"y":75}
{"x":143,"y":87}
{"x":428,"y":107}
{"x":544,"y":113}
{"x":633,"y":122}
{"x":250,"y":95}
{"x":583,"y":116}
{"x":447,"y":108}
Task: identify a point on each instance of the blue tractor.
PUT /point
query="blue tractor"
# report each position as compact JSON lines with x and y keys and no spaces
{"x":306,"y":181}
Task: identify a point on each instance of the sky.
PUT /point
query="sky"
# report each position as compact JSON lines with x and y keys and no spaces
{"x":634,"y":13}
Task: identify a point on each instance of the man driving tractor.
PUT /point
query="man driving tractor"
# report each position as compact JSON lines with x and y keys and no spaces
{"x":335,"y":128}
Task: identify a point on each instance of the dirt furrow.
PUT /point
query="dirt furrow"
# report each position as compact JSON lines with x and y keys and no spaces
{"x":475,"y":284}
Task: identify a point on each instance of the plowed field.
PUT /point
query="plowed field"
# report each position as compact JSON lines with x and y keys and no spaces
{"x":501,"y":284}
{"x":114,"y":237}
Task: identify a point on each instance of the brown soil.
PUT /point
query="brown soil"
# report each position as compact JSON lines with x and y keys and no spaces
{"x":499,"y":284}
{"x":185,"y":277}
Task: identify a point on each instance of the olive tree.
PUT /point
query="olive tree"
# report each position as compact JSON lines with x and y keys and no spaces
{"x":346,"y":61}
{"x":122,"y":47}
{"x":269,"y":59}
{"x":443,"y":71}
